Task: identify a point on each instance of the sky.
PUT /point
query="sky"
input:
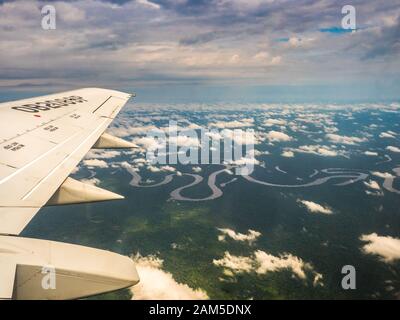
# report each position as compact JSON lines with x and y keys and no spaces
{"x":204,"y":51}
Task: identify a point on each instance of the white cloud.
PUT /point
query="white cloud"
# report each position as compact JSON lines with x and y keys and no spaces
{"x":185,"y":141}
{"x":262,"y":262}
{"x":324,"y":151}
{"x":273,"y":122}
{"x":315,"y":207}
{"x":287,"y":154}
{"x":240,"y":137}
{"x":387,"y":135}
{"x":270,"y":263}
{"x":278,"y":136}
{"x":153,"y":169}
{"x":386,"y":247}
{"x":157,"y":284}
{"x":123,"y":131}
{"x":102,"y":154}
{"x":168,"y":169}
{"x":335,"y":138}
{"x":393,"y":149}
{"x":371,"y":153}
{"x":233,"y":124}
{"x":372,"y":185}
{"x":250,"y":237}
{"x":243,"y":161}
{"x":237,"y":264}
{"x":92,"y":163}
{"x":161,"y":169}
{"x":149,"y":143}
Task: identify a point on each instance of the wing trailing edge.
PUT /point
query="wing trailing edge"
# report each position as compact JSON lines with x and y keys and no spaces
{"x":14,"y":219}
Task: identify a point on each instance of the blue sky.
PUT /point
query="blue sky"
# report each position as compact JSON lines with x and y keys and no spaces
{"x":204,"y":51}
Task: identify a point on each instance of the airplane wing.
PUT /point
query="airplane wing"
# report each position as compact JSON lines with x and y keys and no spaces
{"x":42,"y":140}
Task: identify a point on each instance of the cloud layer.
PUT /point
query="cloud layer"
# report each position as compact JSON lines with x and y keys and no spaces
{"x":186,"y":44}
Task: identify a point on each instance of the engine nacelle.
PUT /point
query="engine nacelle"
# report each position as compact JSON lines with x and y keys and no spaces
{"x":42,"y":269}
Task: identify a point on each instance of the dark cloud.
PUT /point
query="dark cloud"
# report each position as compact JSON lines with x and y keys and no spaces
{"x":199,"y":39}
{"x":387,"y":42}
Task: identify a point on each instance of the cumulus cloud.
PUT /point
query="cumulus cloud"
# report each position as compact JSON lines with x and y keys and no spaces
{"x":324,"y":151}
{"x":250,"y":237}
{"x":92,"y":163}
{"x":270,"y":263}
{"x":287,"y":154}
{"x":372,"y":185}
{"x":91,"y":181}
{"x":249,"y":122}
{"x":149,"y":143}
{"x":125,"y":131}
{"x":389,"y":135}
{"x":238,"y":264}
{"x":388,"y":248}
{"x":315,"y":207}
{"x":262,"y":262}
{"x":243,"y":161}
{"x":393,"y":149}
{"x":238,"y":136}
{"x":274,"y":122}
{"x":185,"y":141}
{"x":161,"y":169}
{"x":157,"y":284}
{"x":335,"y":138}
{"x":102,"y":154}
{"x":278,"y":136}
